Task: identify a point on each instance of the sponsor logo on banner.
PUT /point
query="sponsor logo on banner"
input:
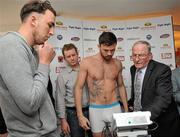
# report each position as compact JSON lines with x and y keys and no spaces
{"x":148,"y":26}
{"x":74,"y":27}
{"x":134,"y":38}
{"x":166,"y":55}
{"x":119,"y":49}
{"x":60,"y":59}
{"x":115,"y":29}
{"x":91,"y":29}
{"x":120,"y":39}
{"x":163,"y":24}
{"x":132,"y":28}
{"x":59,"y":37}
{"x":164,"y":36}
{"x":153,"y":46}
{"x":121,"y":58}
{"x":148,"y":37}
{"x":90,"y":50}
{"x":103,"y":28}
{"x":75,"y":38}
{"x":87,"y":39}
{"x":131,"y":58}
{"x":59,"y":24}
{"x":57,"y":48}
{"x":165,"y":46}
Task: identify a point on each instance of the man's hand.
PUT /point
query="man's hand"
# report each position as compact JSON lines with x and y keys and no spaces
{"x":131,"y":109}
{"x":65,"y":126}
{"x":46,"y":53}
{"x":84,"y":122}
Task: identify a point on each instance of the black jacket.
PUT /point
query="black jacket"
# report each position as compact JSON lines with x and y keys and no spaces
{"x":157,"y":98}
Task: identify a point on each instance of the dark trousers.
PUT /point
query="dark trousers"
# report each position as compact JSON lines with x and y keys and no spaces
{"x":76,"y":130}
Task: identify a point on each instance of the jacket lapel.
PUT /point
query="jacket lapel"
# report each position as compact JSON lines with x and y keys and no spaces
{"x":147,"y":75}
{"x":133,"y":74}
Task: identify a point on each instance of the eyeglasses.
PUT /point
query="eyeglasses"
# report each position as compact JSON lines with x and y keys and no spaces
{"x":140,"y":56}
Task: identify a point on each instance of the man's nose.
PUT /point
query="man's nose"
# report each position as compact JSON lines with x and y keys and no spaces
{"x":72,"y":57}
{"x":136,"y":58}
{"x":109,"y":53}
{"x":51,"y":31}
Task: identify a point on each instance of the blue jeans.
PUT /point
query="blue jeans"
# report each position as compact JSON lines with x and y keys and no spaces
{"x":76,"y":130}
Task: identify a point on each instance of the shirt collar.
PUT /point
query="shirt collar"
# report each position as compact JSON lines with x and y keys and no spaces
{"x":69,"y":69}
{"x":143,"y":70}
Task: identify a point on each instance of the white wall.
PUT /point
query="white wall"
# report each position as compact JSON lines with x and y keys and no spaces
{"x":9,"y":15}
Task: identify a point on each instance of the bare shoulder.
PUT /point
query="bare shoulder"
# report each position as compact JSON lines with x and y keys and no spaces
{"x":87,"y":60}
{"x":118,"y":63}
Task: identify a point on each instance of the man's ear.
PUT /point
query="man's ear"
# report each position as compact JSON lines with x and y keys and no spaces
{"x":34,"y":20}
{"x":98,"y":45}
{"x":151,"y":55}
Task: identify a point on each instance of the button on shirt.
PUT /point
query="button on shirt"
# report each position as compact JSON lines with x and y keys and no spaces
{"x":64,"y":93}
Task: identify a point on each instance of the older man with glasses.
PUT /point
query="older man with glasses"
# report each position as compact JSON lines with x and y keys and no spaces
{"x":152,"y":91}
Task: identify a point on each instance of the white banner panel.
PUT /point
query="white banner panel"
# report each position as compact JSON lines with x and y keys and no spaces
{"x":84,"y":34}
{"x":66,"y":31}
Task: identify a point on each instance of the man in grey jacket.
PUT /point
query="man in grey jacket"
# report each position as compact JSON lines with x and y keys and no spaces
{"x":24,"y":74}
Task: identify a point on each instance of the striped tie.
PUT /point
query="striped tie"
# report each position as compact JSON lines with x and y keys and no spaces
{"x":137,"y":91}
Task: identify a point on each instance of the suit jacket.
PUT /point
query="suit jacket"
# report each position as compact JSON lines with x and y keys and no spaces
{"x":157,"y":98}
{"x":176,"y":86}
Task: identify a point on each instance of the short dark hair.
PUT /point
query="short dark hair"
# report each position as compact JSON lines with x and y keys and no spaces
{"x":107,"y":38}
{"x":38,"y":6}
{"x":69,"y":47}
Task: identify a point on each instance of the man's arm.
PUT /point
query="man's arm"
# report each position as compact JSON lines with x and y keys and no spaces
{"x":84,"y":122}
{"x":60,"y":104}
{"x":122,"y":89}
{"x":162,"y":90}
{"x":26,"y":83}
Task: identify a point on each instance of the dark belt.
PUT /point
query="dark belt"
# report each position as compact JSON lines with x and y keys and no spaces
{"x":74,"y":108}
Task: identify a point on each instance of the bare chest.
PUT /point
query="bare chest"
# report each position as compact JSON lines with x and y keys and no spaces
{"x":103,"y":71}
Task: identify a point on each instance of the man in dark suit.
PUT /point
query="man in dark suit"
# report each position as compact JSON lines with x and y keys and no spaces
{"x":155,"y":91}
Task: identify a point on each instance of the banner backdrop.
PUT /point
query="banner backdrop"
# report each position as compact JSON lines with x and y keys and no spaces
{"x":84,"y":34}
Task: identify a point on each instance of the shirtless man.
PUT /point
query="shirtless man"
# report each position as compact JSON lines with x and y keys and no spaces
{"x":103,"y":75}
